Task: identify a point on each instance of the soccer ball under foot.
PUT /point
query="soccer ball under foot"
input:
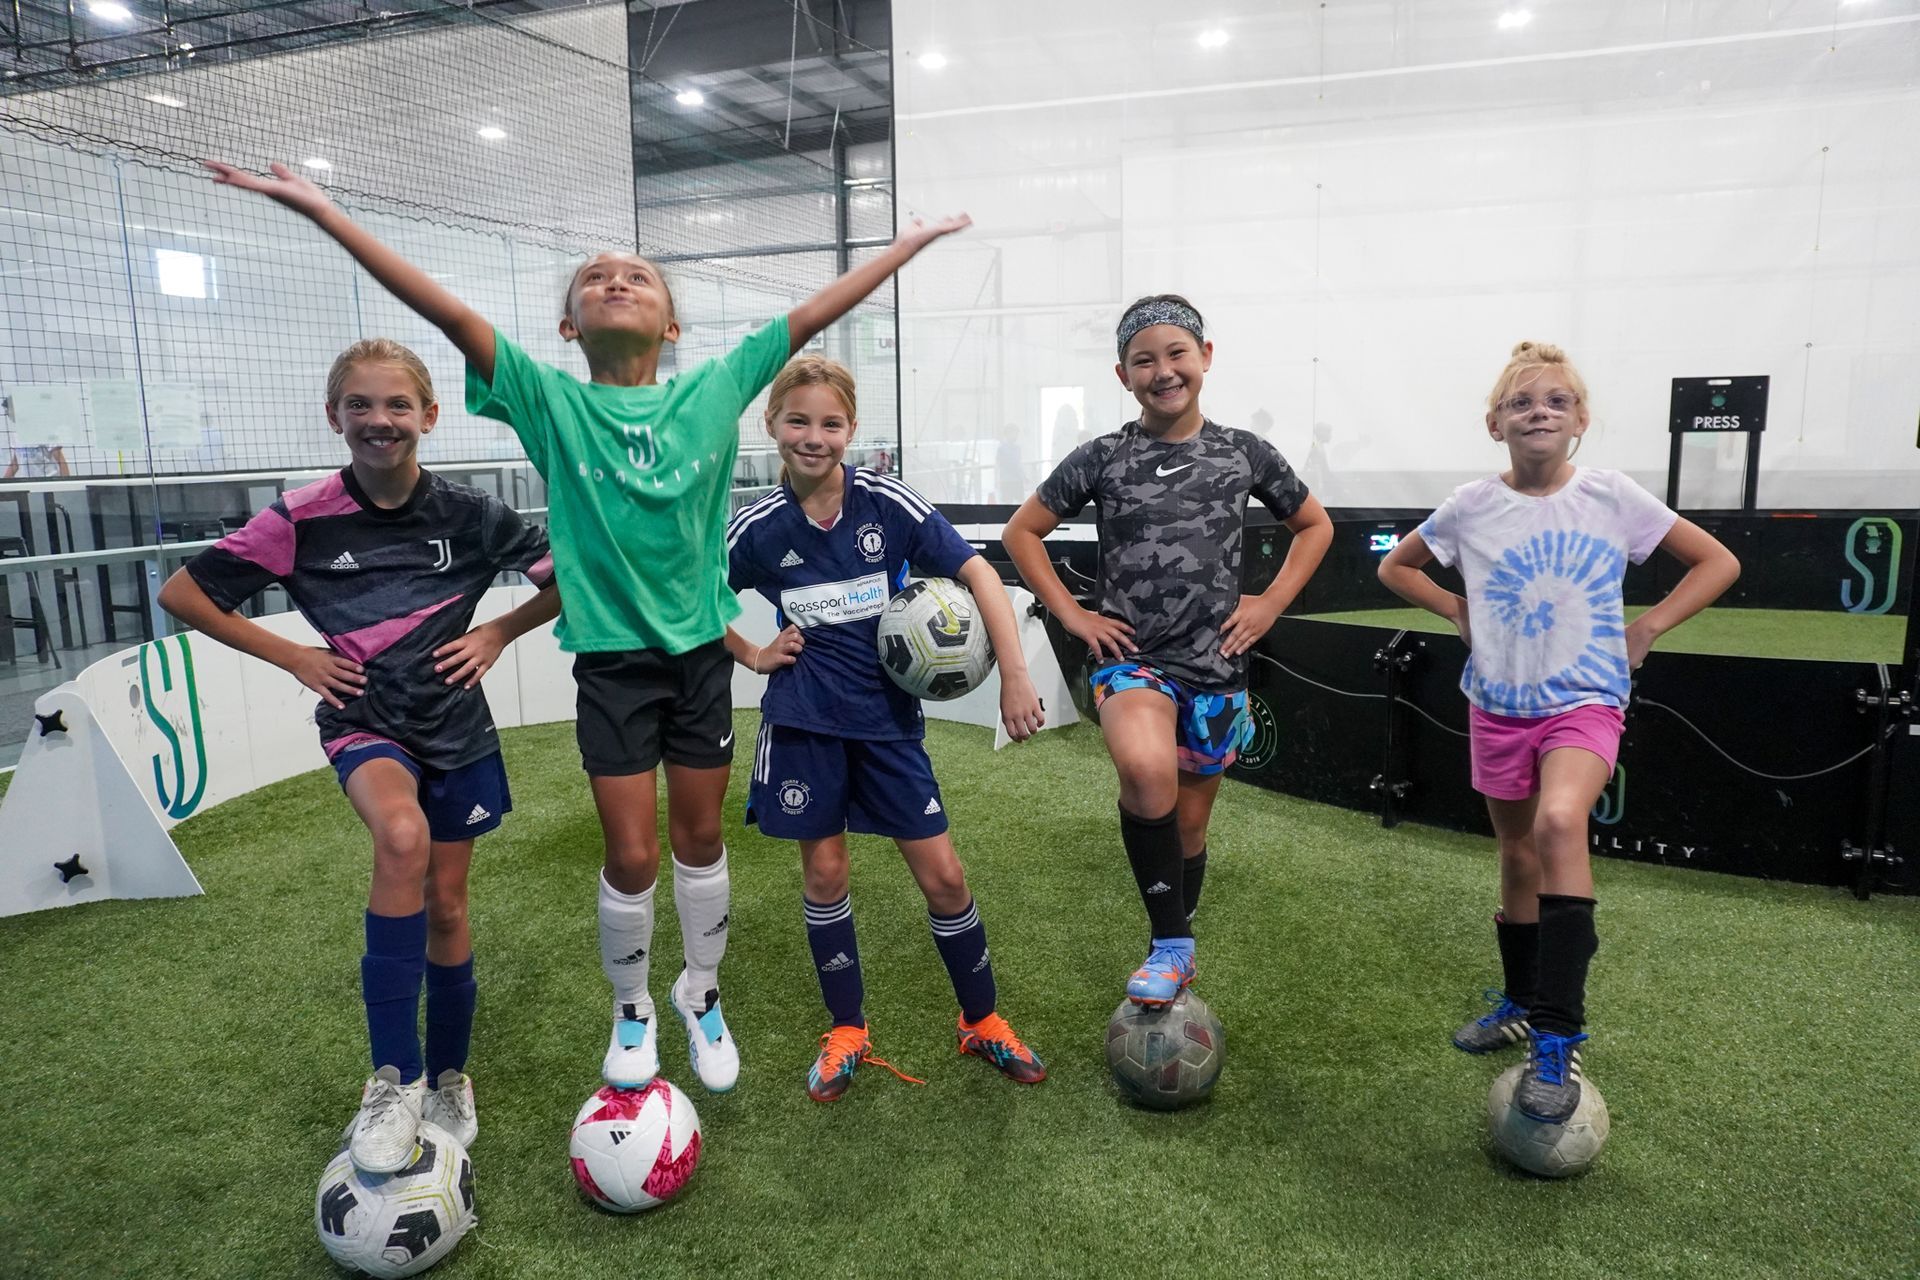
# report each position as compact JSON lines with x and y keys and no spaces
{"x":1548,"y":1150}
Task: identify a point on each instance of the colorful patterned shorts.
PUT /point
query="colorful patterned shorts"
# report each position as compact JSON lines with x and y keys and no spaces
{"x":1209,"y":728}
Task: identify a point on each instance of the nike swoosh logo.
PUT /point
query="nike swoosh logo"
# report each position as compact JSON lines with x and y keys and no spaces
{"x":1167,"y":471}
{"x":728,"y":740}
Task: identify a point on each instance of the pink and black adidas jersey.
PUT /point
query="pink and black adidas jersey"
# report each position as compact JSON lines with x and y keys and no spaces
{"x":385,"y":588}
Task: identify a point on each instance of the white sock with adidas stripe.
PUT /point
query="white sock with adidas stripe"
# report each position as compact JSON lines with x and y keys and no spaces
{"x":703,"y":895}
{"x":626,"y":943}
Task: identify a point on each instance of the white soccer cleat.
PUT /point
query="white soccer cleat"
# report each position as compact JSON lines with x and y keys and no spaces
{"x":710,"y":1046}
{"x":450,"y":1105}
{"x":633,"y":1056}
{"x":387,"y":1129}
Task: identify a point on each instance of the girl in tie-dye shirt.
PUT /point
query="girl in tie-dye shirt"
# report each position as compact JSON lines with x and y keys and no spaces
{"x":1543,"y":548}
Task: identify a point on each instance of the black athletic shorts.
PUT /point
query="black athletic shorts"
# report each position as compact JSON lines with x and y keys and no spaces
{"x":640,"y":706}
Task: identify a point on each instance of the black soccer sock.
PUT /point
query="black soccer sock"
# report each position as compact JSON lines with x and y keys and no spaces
{"x":1193,"y":875}
{"x":1153,"y":849}
{"x":1519,"y":959}
{"x":1567,"y":944}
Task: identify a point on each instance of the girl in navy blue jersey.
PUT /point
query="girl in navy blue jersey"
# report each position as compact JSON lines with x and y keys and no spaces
{"x":840,"y":744}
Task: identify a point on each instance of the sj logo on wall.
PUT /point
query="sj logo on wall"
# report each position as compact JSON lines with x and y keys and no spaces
{"x":1873,"y":553}
{"x":180,"y":770}
{"x":1612,"y":804}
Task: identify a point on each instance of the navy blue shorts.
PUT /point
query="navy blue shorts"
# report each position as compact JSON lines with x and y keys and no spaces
{"x":459,"y":803}
{"x":807,"y":786}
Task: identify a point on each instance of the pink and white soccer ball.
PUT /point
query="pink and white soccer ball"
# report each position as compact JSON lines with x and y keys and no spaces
{"x":635,"y":1148}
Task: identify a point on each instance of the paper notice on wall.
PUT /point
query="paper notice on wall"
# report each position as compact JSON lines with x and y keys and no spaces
{"x":49,"y":413}
{"x":115,"y":405}
{"x":173,"y":415}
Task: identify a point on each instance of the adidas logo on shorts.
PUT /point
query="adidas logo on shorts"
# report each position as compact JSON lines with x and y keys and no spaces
{"x":836,"y":964}
{"x":791,"y":559}
{"x":1158,"y":886}
{"x":933,"y":807}
{"x":345,"y":560}
{"x":478,"y":815}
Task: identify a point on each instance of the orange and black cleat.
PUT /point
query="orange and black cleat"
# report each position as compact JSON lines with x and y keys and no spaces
{"x":991,"y":1038}
{"x":841,"y":1051}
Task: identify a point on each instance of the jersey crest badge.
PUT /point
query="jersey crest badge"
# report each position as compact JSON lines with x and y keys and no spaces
{"x":872,"y":542}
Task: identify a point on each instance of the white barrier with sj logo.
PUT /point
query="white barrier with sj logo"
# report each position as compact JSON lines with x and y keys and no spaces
{"x":184,"y":723}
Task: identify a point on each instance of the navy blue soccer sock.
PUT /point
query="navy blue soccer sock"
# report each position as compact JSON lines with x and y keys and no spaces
{"x":836,"y":959}
{"x":450,"y":1000}
{"x":390,"y":976}
{"x":962,"y":941}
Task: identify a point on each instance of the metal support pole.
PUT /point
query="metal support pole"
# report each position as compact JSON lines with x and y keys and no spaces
{"x":1392,"y":783}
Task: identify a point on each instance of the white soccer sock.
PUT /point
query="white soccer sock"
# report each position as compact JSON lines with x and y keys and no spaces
{"x":702,"y":894}
{"x":626,"y":943}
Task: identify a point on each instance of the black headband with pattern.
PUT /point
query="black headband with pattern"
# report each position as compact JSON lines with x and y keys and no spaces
{"x":1158,"y":311}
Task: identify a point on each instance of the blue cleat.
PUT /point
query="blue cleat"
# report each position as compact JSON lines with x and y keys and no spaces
{"x":1549,"y":1089}
{"x":1166,"y":973}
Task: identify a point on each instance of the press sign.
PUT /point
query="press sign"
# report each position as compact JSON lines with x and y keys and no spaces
{"x":1719,"y":404}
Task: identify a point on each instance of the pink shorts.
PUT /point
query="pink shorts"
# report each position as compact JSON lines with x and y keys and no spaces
{"x":1507,"y":750}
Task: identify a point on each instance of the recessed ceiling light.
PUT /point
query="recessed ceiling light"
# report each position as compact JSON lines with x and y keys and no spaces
{"x":1212,"y":38}
{"x":933,"y":61}
{"x":165,"y":100}
{"x":111,"y":11}
{"x":1514,"y":19}
{"x":689,"y":97}
{"x":493,"y":133}
{"x":317,"y":162}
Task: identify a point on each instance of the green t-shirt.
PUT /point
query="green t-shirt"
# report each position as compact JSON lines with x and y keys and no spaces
{"x":638,"y":482}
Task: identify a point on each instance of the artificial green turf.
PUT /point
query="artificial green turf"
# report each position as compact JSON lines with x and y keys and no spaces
{"x":1747,"y":633}
{"x":176,"y":1072}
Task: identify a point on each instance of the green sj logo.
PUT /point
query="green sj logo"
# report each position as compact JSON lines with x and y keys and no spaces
{"x":1872,"y":540}
{"x":175,"y":800}
{"x":1612,"y":804}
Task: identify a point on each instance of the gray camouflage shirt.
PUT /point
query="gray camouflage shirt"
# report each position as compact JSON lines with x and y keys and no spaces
{"x":1170,"y":518}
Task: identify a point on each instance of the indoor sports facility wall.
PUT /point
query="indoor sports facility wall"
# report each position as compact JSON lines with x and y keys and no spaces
{"x":1371,"y":203}
{"x":126,"y":264}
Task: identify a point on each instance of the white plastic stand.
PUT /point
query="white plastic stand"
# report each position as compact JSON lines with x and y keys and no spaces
{"x":74,"y":827}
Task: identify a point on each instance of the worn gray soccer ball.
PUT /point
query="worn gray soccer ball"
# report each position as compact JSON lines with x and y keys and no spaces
{"x":1167,"y":1057}
{"x":1548,"y":1150}
{"x":933,"y":642}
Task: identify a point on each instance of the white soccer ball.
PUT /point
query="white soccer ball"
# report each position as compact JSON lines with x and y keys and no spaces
{"x":396,"y":1224}
{"x":1549,"y":1150}
{"x":635,"y":1148}
{"x":933,"y":642}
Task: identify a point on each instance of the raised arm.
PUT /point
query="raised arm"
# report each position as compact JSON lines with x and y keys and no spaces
{"x":321,"y":670}
{"x":1024,"y":539}
{"x":845,"y":293}
{"x":466,"y":328}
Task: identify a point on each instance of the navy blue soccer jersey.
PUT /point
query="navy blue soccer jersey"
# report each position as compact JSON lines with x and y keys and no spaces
{"x":385,"y":587}
{"x":833,"y":584}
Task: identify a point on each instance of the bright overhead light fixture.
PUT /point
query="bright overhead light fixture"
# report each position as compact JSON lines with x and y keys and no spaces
{"x":493,"y":133}
{"x":1514,"y":19}
{"x":689,"y":97}
{"x":933,"y":60}
{"x":1213,"y":38}
{"x":165,"y":100}
{"x":318,"y":163}
{"x":110,"y":11}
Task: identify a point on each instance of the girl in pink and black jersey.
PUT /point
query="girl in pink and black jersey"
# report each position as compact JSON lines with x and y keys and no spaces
{"x":388,"y":562}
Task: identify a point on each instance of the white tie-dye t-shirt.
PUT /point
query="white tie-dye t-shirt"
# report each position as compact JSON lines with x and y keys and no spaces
{"x":1543,"y":580}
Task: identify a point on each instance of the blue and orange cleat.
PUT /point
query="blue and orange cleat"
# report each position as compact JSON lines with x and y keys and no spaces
{"x":842,"y":1050}
{"x":991,"y":1038}
{"x":1168,"y":970}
